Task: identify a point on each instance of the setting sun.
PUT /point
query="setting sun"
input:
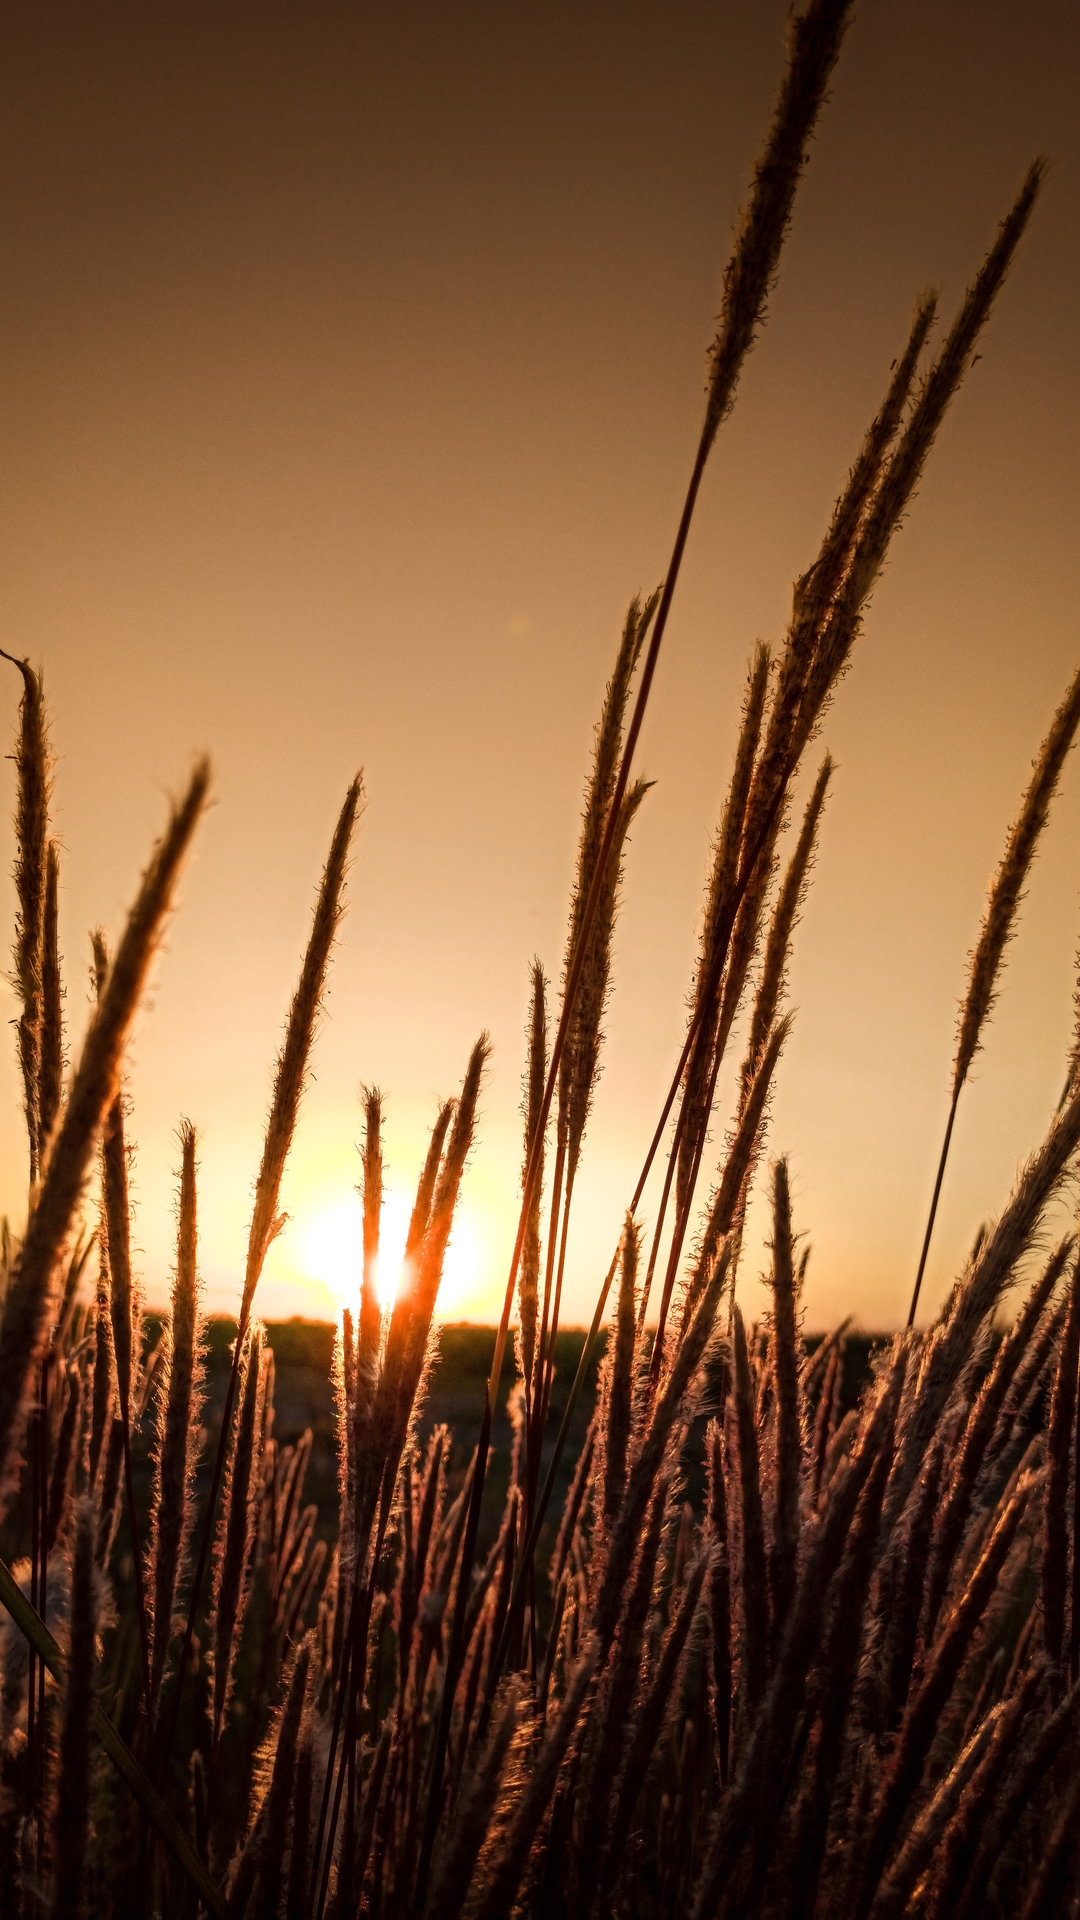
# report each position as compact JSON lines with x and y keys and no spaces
{"x":330,"y":1245}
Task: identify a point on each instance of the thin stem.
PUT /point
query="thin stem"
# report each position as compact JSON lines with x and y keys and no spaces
{"x":136,"y":1554}
{"x":934,"y":1203}
{"x":573,"y":982}
{"x":35,"y":1537}
{"x":549,"y":1371}
{"x":204,"y":1547}
{"x":43,"y":1599}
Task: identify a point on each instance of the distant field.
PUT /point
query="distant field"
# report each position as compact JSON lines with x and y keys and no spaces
{"x":303,"y":1397}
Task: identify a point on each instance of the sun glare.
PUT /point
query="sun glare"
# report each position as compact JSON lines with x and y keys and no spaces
{"x":333,"y":1254}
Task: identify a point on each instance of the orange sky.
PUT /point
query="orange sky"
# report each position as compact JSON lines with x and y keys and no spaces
{"x":351,"y":364}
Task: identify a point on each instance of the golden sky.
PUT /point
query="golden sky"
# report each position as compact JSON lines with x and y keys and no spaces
{"x":352,"y":366}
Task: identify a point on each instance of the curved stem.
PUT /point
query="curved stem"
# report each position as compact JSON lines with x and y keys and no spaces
{"x":934,"y":1203}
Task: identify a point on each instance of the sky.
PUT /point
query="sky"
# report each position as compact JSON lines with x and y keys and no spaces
{"x":351,"y":370}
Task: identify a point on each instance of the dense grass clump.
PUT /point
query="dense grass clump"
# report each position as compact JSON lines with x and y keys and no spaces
{"x":717,"y":1628}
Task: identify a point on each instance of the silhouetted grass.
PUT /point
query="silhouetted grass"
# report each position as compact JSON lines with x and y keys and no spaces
{"x":715,"y":1620}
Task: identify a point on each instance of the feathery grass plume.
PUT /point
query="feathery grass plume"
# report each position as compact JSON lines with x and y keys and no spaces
{"x":381,"y":1420}
{"x":905,"y":1765}
{"x":974,"y":1812}
{"x":505,"y":1549}
{"x":581,"y":1050}
{"x":32,"y":766}
{"x":423,"y":1292}
{"x":893,"y":1894}
{"x":905,"y":467}
{"x":413,"y":1580}
{"x":289,"y":1078}
{"x":292,"y":1064}
{"x":116,"y":1238}
{"x":125,"y":1307}
{"x":705,"y":1002}
{"x":828,"y":1415}
{"x":979,"y":1429}
{"x":234,"y":1541}
{"x":750,"y":1804}
{"x":1053,"y":1885}
{"x":778,"y":945}
{"x":274,"y":1814}
{"x":402,"y":1370}
{"x":612,"y":1710}
{"x":71,"y":1830}
{"x":725,"y":1203}
{"x":296,"y":1891}
{"x":343,"y":1374}
{"x":473,"y":1812}
{"x":813,"y":611}
{"x":715,"y":932}
{"x":814,"y":38}
{"x":369,"y":1329}
{"x":944,"y":377}
{"x":581,"y":1058}
{"x":814,"y":1365}
{"x":660,"y":1701}
{"x":999,"y":921}
{"x":978,"y":1293}
{"x":108,"y":1493}
{"x":838,"y":1674}
{"x":425,"y":1186}
{"x":904,"y":1576}
{"x":784,"y":761}
{"x":816,"y":589}
{"x":1006,"y":892}
{"x":1033,"y":1764}
{"x":809,"y":673}
{"x":579,"y":1487}
{"x":504,"y":1871}
{"x":646,"y":1466}
{"x":788,"y":1445}
{"x":29,"y":1296}
{"x":755,"y":1592}
{"x":372,"y":1798}
{"x":814,"y":44}
{"x":1055,"y":1555}
{"x":70,"y":1304}
{"x":529,"y":1279}
{"x":743,"y":941}
{"x":719,"y":1596}
{"x":410,"y":1321}
{"x":63,"y":1462}
{"x":620,"y":1377}
{"x":1031,"y":1387}
{"x":178,"y":1408}
{"x":51,"y":1075}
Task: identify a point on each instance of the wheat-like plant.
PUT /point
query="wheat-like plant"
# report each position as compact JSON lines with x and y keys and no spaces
{"x":788,"y":1650}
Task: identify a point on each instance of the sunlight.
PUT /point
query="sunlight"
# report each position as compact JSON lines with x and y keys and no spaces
{"x":332,"y":1252}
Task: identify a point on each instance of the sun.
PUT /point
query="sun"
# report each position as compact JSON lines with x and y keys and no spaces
{"x":333,"y":1252}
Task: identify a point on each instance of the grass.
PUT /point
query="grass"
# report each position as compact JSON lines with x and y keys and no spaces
{"x":705,"y":1618}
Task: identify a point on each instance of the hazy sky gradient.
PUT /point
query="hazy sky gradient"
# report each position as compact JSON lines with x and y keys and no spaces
{"x":352,"y":367}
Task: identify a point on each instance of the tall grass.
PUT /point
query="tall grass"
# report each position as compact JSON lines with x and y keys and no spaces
{"x":779,"y":1655}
